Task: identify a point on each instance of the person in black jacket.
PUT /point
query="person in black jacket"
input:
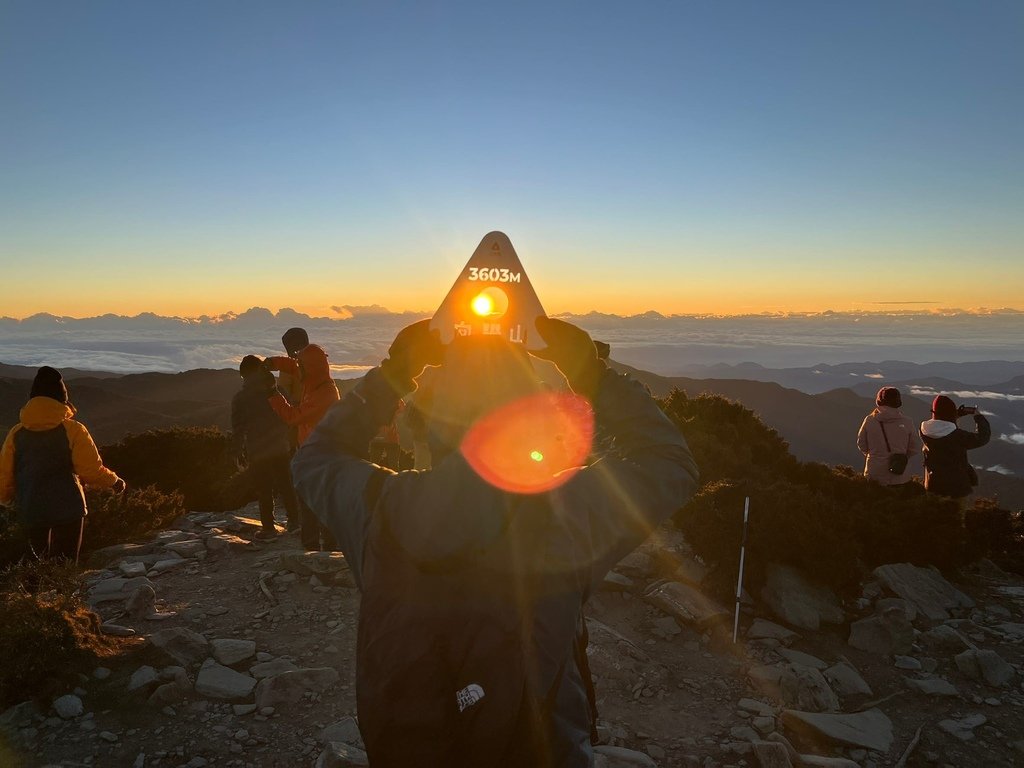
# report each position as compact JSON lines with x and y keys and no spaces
{"x":947,"y":470}
{"x":474,"y":573}
{"x":261,"y":441}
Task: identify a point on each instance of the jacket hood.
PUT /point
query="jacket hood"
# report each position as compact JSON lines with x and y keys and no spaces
{"x":315,"y":368}
{"x":937,"y":428}
{"x":886,"y":413}
{"x":44,"y":412}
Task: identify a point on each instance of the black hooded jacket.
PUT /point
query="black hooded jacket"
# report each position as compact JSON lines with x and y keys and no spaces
{"x":947,"y":471}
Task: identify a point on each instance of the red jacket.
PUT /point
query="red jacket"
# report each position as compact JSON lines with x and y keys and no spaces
{"x":319,"y":392}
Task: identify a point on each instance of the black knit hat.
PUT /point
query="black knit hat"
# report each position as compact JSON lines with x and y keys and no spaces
{"x":250,"y":364}
{"x":889,"y":396}
{"x":295,"y":340}
{"x":49,"y":383}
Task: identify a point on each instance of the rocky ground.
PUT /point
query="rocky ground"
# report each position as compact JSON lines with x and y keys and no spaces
{"x":245,"y":657}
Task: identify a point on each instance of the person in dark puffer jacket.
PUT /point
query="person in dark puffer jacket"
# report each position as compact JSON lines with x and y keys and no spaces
{"x":947,"y":470}
{"x":261,"y":442}
{"x":43,"y":463}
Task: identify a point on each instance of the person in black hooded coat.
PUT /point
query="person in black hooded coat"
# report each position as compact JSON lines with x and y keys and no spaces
{"x":947,"y":470}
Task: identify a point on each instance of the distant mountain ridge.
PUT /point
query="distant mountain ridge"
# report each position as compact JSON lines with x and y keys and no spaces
{"x":818,"y":427}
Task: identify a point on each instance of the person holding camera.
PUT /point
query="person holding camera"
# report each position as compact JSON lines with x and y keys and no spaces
{"x":888,"y":439}
{"x":472,"y":584}
{"x":947,"y":470}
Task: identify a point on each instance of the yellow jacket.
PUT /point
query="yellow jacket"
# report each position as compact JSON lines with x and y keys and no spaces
{"x":40,"y":415}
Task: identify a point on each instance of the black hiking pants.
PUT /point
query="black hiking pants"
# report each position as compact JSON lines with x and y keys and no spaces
{"x":61,"y":540}
{"x":273,"y":477}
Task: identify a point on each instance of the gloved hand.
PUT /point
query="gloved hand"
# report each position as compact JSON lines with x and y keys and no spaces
{"x":415,"y":347}
{"x":573,"y":351}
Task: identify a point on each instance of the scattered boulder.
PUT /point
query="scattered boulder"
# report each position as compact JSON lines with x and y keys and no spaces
{"x":613,"y":582}
{"x":345,"y":731}
{"x":933,"y":686}
{"x":889,"y":603}
{"x":944,"y":639}
{"x":140,"y":604}
{"x":797,"y":685}
{"x":924,"y":588}
{"x":798,"y":601}
{"x":116,"y":630}
{"x":338,"y":755}
{"x":1014,"y":629}
{"x":871,"y":729}
{"x":182,"y":645}
{"x":226,"y":542}
{"x":985,"y":664}
{"x":886,"y":634}
{"x":230,"y":651}
{"x":131,"y":569}
{"x":19,"y":716}
{"x":314,"y":563}
{"x":620,"y":757}
{"x":963,"y":729}
{"x":761,"y":629}
{"x":817,"y":761}
{"x":687,"y":604}
{"x":846,"y":680}
{"x":219,"y":682}
{"x":271,"y":668}
{"x":104,"y":555}
{"x":116,"y":588}
{"x":288,"y":687}
{"x":68,"y":707}
{"x":804,"y":659}
{"x":771,"y":755}
{"x":188,"y":548}
{"x":143,"y":677}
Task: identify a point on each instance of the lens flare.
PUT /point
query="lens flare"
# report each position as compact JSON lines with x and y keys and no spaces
{"x":532,"y":444}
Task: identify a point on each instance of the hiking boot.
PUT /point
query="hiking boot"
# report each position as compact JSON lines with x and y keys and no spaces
{"x":266,"y":533}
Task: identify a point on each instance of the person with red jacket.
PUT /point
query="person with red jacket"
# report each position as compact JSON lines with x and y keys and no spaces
{"x":307,"y":363}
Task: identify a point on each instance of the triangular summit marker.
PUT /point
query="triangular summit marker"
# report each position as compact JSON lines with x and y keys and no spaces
{"x":492,"y":296}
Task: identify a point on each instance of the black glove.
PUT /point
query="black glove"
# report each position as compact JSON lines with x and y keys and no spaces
{"x":415,"y":347}
{"x":573,"y":351}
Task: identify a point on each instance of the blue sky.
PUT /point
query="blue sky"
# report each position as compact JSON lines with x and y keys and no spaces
{"x":203,"y":157}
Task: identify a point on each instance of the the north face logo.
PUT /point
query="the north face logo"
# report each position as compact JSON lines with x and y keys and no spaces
{"x":469,"y":696}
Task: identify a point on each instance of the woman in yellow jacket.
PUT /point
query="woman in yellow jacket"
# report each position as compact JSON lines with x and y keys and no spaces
{"x":43,"y":463}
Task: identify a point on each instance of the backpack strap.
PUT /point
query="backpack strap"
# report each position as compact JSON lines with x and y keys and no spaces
{"x":885,"y":436}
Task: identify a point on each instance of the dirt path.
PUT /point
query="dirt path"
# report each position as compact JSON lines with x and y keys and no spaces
{"x":672,"y":689}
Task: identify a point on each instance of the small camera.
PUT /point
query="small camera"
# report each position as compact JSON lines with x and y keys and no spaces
{"x":967,"y":410}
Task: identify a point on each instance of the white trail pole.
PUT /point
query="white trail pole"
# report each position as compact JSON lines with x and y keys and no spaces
{"x":739,"y":581}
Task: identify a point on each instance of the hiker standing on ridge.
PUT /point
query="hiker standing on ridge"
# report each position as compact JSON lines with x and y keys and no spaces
{"x":947,"y":470}
{"x":260,"y":440}
{"x":43,"y":463}
{"x":474,"y":573}
{"x":888,"y":439}
{"x":307,"y":363}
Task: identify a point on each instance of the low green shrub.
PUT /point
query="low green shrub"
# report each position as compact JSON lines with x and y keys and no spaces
{"x":196,"y":462}
{"x":117,"y":518}
{"x":48,"y":633}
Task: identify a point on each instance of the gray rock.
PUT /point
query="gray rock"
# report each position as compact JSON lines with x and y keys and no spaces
{"x":755,"y":706}
{"x":226,"y":542}
{"x":108,"y":737}
{"x":219,"y":682}
{"x":1014,"y":629}
{"x":933,"y":686}
{"x":167,"y":694}
{"x":944,"y":639}
{"x":271,"y":668}
{"x":889,"y":603}
{"x":817,"y":761}
{"x":182,"y":645}
{"x":637,"y":564}
{"x":761,"y":629}
{"x":116,"y":588}
{"x":230,"y":651}
{"x":116,"y":630}
{"x":143,"y":677}
{"x":687,"y":604}
{"x":963,"y":729}
{"x":140,"y":603}
{"x":170,"y":564}
{"x":19,"y":716}
{"x":807,"y":689}
{"x":771,"y":754}
{"x":68,"y":706}
{"x":101,"y":673}
{"x":613,"y":582}
{"x":666,"y":625}
{"x":619,"y":757}
{"x":131,"y":570}
{"x":803,"y":659}
{"x":690,"y":570}
{"x":798,"y":601}
{"x":187,"y":548}
{"x":318,"y":564}
{"x":924,"y":588}
{"x":243,"y":709}
{"x":884,"y":635}
{"x":338,"y":755}
{"x":870,"y":729}
{"x":345,"y":731}
{"x":906,"y":662}
{"x":288,"y":687}
{"x":985,"y":664}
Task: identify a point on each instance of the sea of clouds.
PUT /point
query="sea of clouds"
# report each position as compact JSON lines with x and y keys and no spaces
{"x":357,"y":338}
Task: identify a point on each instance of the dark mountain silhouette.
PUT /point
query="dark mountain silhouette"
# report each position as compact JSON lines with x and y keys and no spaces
{"x":819,"y":427}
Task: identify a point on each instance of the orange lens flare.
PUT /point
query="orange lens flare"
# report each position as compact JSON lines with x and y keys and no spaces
{"x":533,"y":444}
{"x":482,"y":304}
